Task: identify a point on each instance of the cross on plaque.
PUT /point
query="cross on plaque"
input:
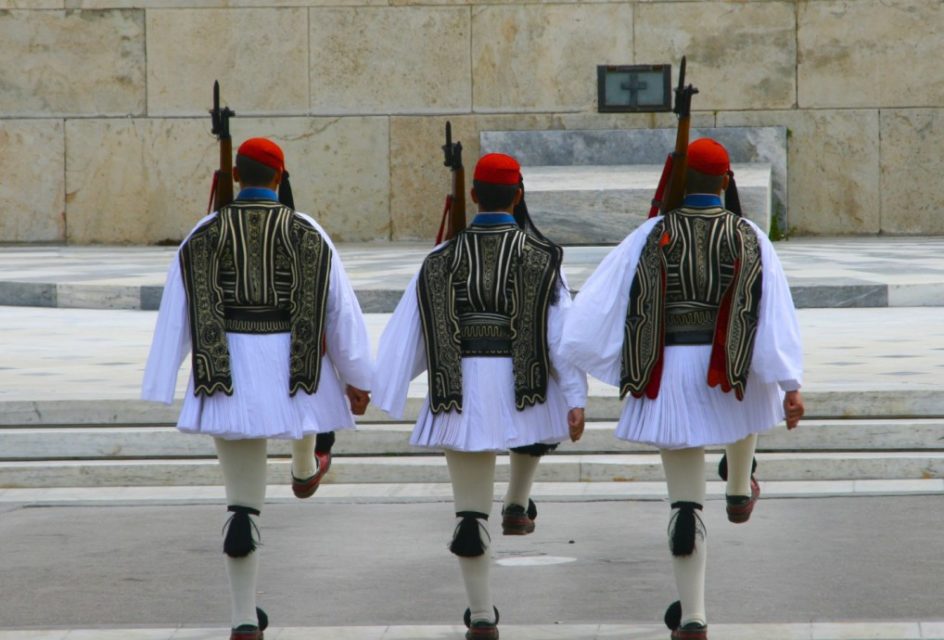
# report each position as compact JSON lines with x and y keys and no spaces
{"x":634,"y":86}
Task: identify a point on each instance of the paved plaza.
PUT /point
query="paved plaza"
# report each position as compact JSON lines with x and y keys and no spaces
{"x":821,"y":559}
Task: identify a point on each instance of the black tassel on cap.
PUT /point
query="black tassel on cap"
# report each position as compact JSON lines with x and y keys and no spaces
{"x":285,"y":192}
{"x":732,"y":202}
{"x":239,"y":542}
{"x":684,"y":528}
{"x":467,"y":538}
{"x":262,"y":618}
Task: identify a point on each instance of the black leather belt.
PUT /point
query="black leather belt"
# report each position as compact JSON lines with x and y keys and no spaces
{"x":238,"y":320}
{"x":677,"y":338}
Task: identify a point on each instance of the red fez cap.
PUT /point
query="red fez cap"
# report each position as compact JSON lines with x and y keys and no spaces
{"x":263,"y":151}
{"x":497,"y":168}
{"x":708,"y":157}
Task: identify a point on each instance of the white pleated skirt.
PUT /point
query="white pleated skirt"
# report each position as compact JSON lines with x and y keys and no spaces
{"x":261,"y":406}
{"x":489,"y":420}
{"x":688,"y":413}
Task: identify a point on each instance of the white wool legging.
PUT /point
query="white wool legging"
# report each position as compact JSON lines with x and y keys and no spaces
{"x":244,"y":473}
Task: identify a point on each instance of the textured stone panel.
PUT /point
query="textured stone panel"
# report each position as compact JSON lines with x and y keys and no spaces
{"x":32,"y":190}
{"x":912,"y":194}
{"x":72,"y":63}
{"x":870,"y":53}
{"x":31,"y":4}
{"x":151,"y":182}
{"x":832,"y":168}
{"x":260,"y":57}
{"x":136,"y":181}
{"x":419,"y":181}
{"x":741,"y":55}
{"x":544,"y":57}
{"x":390,"y":60}
{"x":339,"y":168}
{"x":208,"y":4}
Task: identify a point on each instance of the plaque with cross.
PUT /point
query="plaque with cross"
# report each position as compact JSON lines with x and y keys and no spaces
{"x":634,"y":88}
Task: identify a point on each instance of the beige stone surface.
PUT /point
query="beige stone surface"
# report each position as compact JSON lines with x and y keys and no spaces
{"x":31,"y":4}
{"x":912,"y":193}
{"x":72,"y":63}
{"x":124,"y":187}
{"x":741,"y":55}
{"x":544,"y":57}
{"x":210,"y":4}
{"x":136,"y":181}
{"x":419,"y":182}
{"x":32,"y":191}
{"x":260,"y":57}
{"x":870,"y":53}
{"x":832,"y":168}
{"x":339,"y":170}
{"x":390,"y":60}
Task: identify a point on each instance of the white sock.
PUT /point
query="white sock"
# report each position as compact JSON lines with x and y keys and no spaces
{"x":244,"y":471}
{"x":740,"y":461}
{"x":685,"y":476}
{"x":523,"y":468}
{"x":304,"y":464}
{"x":473,"y":478}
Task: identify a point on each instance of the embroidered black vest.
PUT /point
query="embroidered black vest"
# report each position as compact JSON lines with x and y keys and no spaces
{"x":487,"y":293}
{"x":698,"y":281}
{"x":257,"y":267}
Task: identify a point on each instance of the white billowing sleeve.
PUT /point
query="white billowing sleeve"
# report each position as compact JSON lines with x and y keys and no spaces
{"x":593,"y":331}
{"x":778,"y":348}
{"x":171,"y":341}
{"x":401,"y":355}
{"x":572,"y":381}
{"x":348,"y":342}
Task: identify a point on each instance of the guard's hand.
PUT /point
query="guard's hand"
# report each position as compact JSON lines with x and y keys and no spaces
{"x":793,"y":408}
{"x":575,"y":422}
{"x":359,"y":399}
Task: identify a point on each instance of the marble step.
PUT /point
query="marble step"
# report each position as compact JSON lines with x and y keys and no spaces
{"x":839,"y":403}
{"x":597,"y":204}
{"x":143,"y":442}
{"x":627,"y":467}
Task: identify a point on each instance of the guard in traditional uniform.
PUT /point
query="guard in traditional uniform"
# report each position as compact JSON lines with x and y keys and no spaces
{"x":691,"y":317}
{"x":484,"y":317}
{"x":279,"y":349}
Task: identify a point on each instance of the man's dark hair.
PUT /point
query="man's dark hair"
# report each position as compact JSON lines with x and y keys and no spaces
{"x":698,"y":182}
{"x":494,"y":197}
{"x":253,"y":173}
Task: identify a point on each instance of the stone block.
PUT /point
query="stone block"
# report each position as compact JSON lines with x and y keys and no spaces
{"x":890,"y":58}
{"x":136,"y":181}
{"x":910,"y":190}
{"x":258,"y":55}
{"x":741,"y":55}
{"x":30,"y":4}
{"x":833,"y":160}
{"x":128,"y":191}
{"x":543,"y":57}
{"x":596,"y":204}
{"x":419,"y":181}
{"x":380,"y":60}
{"x":72,"y":63}
{"x":750,"y":146}
{"x":32,"y":192}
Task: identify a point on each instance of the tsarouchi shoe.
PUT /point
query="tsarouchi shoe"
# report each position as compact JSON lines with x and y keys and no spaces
{"x":740,"y":507}
{"x":305,"y":488}
{"x":691,"y":631}
{"x":518,"y":521}
{"x":246,"y":632}
{"x":480,"y":629}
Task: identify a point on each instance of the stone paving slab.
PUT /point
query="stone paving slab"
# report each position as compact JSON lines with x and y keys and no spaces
{"x":873,"y":630}
{"x":442,"y":492}
{"x":823,"y":272}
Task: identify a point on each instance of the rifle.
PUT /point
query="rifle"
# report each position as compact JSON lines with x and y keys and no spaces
{"x":221,"y":193}
{"x":453,"y":218}
{"x":673,"y":174}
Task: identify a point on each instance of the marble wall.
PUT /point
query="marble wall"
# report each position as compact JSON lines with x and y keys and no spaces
{"x":105,"y":136}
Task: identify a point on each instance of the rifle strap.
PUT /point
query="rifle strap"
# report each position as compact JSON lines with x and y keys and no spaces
{"x":445,"y":214}
{"x":656,"y":207}
{"x":213,"y":185}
